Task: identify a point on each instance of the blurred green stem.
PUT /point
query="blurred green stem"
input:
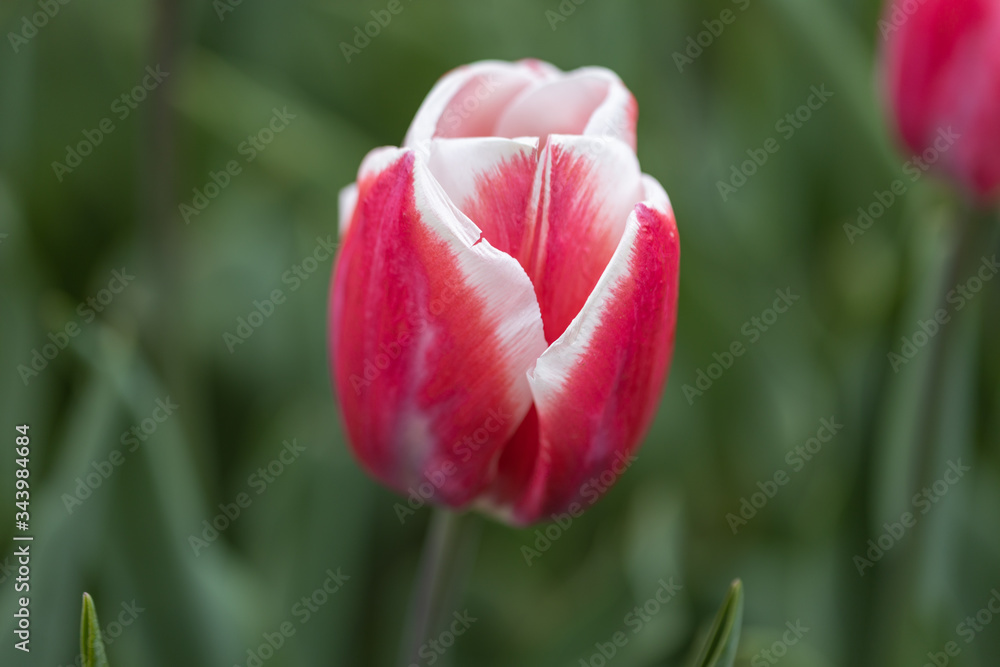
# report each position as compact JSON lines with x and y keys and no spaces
{"x":974,"y":234}
{"x":444,"y":566}
{"x":974,"y":230}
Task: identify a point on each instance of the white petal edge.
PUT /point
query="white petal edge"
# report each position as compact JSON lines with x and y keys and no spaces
{"x":456,"y":163}
{"x":611,"y":119}
{"x":549,"y":375}
{"x":614,"y":164}
{"x":506,"y":290}
{"x":346,"y":201}
{"x":425,"y":122}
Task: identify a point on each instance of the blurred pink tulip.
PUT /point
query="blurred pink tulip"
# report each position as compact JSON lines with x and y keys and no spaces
{"x":941,"y":68}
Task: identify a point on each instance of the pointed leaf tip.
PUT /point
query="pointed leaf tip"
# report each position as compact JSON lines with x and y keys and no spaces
{"x":91,"y":642}
{"x":720,"y":646}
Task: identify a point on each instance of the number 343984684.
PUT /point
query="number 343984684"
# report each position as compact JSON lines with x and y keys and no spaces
{"x":21,"y":495}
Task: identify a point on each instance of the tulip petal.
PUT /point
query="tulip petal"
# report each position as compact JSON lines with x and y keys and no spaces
{"x":919,"y":56}
{"x":467,"y":101}
{"x":347,"y":200}
{"x":968,"y":101}
{"x":597,"y":387}
{"x":560,"y":213}
{"x":490,"y":180}
{"x":432,"y":333}
{"x":583,"y":192}
{"x":942,"y":74}
{"x":590,"y":101}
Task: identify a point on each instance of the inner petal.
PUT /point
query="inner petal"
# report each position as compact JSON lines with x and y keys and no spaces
{"x":468,"y":101}
{"x":560,"y":212}
{"x":583,"y":192}
{"x":563,"y":106}
{"x":490,"y":180}
{"x":477,"y":105}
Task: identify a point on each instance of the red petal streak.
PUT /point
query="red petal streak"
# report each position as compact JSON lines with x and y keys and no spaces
{"x":596,"y":389}
{"x":431,"y":336}
{"x":584,"y":191}
{"x":490,"y":180}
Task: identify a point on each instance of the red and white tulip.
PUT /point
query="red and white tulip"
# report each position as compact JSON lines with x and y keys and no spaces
{"x":503,"y":306}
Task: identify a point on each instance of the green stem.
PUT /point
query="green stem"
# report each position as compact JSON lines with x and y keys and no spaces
{"x":444,"y":565}
{"x":896,"y":585}
{"x":972,"y":232}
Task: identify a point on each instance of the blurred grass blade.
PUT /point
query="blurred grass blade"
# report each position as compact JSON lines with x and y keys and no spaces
{"x":91,"y":642}
{"x":720,"y":646}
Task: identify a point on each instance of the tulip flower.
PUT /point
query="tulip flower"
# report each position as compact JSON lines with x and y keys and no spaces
{"x":503,"y":306}
{"x":941,"y":68}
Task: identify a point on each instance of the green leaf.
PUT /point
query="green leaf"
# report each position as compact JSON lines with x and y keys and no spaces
{"x":91,"y":642}
{"x":720,"y":646}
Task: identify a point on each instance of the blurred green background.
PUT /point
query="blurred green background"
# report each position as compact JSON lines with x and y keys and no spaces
{"x":161,"y":337}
